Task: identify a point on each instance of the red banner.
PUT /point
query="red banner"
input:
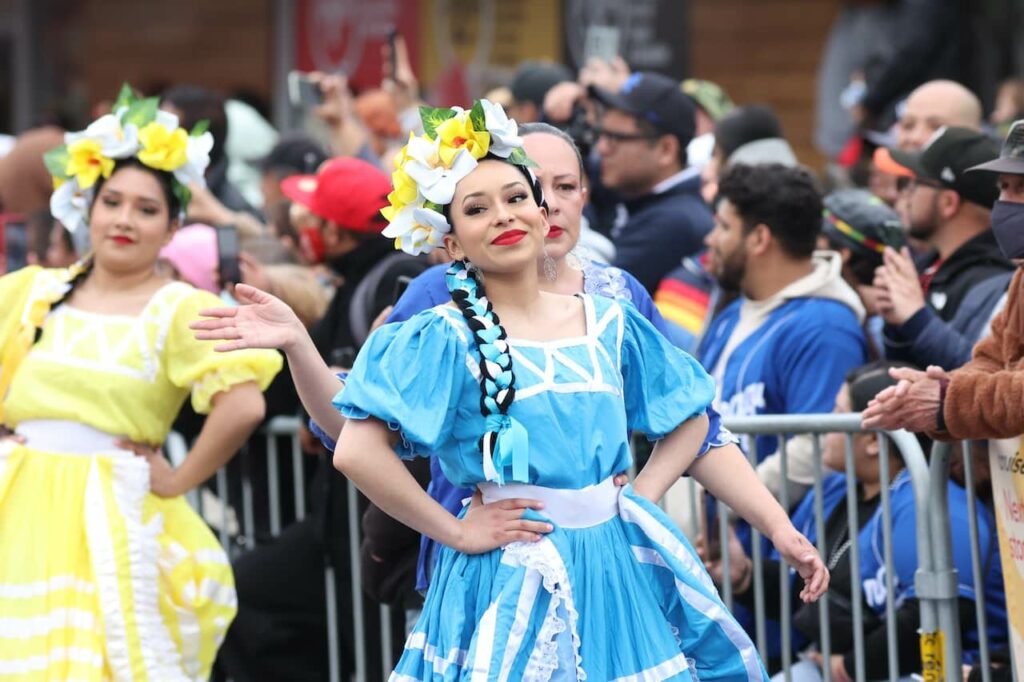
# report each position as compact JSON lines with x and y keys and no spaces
{"x":347,"y":35}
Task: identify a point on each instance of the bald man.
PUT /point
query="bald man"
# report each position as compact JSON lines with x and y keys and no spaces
{"x":933,"y":105}
{"x":929,"y":107}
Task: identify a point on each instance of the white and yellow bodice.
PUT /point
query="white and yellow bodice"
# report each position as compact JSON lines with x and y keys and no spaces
{"x":122,"y":374}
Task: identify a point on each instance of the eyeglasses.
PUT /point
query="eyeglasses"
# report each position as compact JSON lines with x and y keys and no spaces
{"x":905,"y":184}
{"x":616,"y":137}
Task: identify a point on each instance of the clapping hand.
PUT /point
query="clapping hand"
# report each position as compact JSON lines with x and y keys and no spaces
{"x":912,"y":404}
{"x":899,"y":289}
{"x":263,"y":321}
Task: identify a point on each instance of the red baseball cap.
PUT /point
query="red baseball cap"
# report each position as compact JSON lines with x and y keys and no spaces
{"x":346,"y":191}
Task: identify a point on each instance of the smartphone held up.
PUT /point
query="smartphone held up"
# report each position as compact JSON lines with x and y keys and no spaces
{"x":304,"y":90}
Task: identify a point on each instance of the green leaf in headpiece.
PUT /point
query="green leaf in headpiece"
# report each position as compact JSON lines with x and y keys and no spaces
{"x":125,"y":98}
{"x":200,"y":128}
{"x":56,"y":161}
{"x":519,"y":157}
{"x":477,"y":117}
{"x":183,"y":193}
{"x":142,"y":111}
{"x":432,"y":206}
{"x":432,"y":118}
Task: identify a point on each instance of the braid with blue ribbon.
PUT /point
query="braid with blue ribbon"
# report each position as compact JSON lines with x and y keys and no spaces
{"x":505,"y":442}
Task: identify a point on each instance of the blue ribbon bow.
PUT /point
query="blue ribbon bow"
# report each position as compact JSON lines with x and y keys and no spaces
{"x":511,"y":448}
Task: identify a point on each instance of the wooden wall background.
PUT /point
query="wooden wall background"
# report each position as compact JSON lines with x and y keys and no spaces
{"x":765,"y":51}
{"x":758,"y":50}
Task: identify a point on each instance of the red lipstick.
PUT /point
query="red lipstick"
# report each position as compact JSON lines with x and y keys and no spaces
{"x":122,"y":240}
{"x":509,"y":237}
{"x":555,"y":232}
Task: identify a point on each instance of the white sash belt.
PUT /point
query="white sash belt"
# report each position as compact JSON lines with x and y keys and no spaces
{"x":57,"y":435}
{"x":568,"y":508}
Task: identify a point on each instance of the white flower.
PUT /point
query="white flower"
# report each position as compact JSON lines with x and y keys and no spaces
{"x":166,"y":119}
{"x":418,"y":230}
{"x":504,"y":131}
{"x":70,"y":205}
{"x":198,"y":154}
{"x":435,"y":182}
{"x":116,"y":141}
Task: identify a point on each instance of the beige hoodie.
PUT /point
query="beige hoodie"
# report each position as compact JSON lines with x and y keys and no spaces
{"x":825,"y":281}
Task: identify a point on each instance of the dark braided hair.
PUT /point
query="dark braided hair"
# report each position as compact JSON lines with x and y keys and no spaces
{"x":505,"y":441}
{"x":82,"y":269}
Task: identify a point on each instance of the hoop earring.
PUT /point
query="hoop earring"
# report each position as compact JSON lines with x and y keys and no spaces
{"x":550,"y":271}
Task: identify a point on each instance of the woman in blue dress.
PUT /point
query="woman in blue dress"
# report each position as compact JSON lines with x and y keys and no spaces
{"x":527,"y":396}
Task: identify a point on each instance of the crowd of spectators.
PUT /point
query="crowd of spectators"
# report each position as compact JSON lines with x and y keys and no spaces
{"x":782,"y":290}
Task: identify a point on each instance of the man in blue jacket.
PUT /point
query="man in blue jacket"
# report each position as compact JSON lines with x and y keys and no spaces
{"x":642,"y":137}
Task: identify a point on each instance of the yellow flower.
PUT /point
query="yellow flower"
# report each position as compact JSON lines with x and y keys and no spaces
{"x":163,"y":149}
{"x":404,"y":191}
{"x":86,"y":163}
{"x":402,"y":155}
{"x":456,"y":134}
{"x":57,"y":182}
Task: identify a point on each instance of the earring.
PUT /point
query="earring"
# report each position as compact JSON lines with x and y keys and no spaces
{"x":550,"y":272}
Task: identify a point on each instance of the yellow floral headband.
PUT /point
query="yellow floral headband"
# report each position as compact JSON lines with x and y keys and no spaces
{"x":136,"y":127}
{"x":430,"y":165}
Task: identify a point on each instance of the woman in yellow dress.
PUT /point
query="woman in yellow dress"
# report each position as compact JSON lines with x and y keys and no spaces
{"x":105,"y":572}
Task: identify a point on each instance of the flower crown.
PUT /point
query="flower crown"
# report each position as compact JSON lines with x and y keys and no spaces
{"x":137,"y":127}
{"x":430,"y":165}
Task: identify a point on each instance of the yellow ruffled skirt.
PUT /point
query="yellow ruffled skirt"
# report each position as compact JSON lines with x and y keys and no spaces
{"x":101,"y":580}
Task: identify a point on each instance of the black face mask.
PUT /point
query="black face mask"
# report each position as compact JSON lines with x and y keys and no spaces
{"x":1008,"y":227}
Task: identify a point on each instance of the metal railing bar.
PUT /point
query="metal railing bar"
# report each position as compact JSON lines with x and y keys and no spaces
{"x":853,"y":528}
{"x":890,"y":596}
{"x":784,"y":574}
{"x":825,"y":627}
{"x":357,"y":582}
{"x":273,"y":486}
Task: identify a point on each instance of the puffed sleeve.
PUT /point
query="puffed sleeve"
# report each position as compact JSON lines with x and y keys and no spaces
{"x":409,"y":375}
{"x":663,"y":385}
{"x":195,"y":365}
{"x":14,"y":290}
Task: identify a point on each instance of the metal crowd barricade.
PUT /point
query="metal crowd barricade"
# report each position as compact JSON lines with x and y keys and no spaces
{"x":236,"y":528}
{"x":935,"y":580}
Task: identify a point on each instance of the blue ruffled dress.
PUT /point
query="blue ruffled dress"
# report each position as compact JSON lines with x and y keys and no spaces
{"x":626,"y":599}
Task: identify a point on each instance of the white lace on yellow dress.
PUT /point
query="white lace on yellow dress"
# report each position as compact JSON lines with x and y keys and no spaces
{"x":99,"y":579}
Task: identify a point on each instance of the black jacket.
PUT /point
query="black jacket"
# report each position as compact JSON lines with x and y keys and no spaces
{"x":975,"y":262}
{"x":661,"y":231}
{"x":338,"y":346}
{"x":333,"y":335}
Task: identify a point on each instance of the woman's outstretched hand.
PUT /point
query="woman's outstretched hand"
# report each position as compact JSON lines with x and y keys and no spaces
{"x":799,"y":553}
{"x":490,"y":526}
{"x":262,"y":321}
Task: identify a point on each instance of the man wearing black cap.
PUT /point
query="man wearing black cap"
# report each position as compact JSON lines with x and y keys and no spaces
{"x":644,"y":130}
{"x":294,"y":154}
{"x":983,"y":398}
{"x":949,"y":209}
